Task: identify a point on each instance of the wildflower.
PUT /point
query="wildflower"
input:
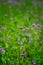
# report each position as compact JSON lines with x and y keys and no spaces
{"x":17,"y":3}
{"x":9,"y":38}
{"x":2,"y":50}
{"x":36,"y":3}
{"x":33,"y":62}
{"x":41,"y":17}
{"x":3,"y":28}
{"x":23,"y":54}
{"x":30,"y":41}
{"x":9,"y":1}
{"x":27,"y":28}
{"x":21,"y":27}
{"x":42,"y":3}
{"x":38,"y":25}
{"x":33,"y":24}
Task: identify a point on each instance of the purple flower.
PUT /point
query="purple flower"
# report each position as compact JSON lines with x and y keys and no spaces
{"x":3,"y":28}
{"x":9,"y":38}
{"x":30,"y":41}
{"x":35,"y":3}
{"x":23,"y":54}
{"x":33,"y":24}
{"x":2,"y":50}
{"x":41,"y":17}
{"x":38,"y":25}
{"x":21,"y":27}
{"x":9,"y":1}
{"x":42,"y":3}
{"x":33,"y":62}
{"x":17,"y":3}
{"x":27,"y":28}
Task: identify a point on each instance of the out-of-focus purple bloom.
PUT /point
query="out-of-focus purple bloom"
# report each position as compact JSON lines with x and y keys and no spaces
{"x":30,"y":41}
{"x":23,"y":55}
{"x":21,"y":27}
{"x":35,"y":3}
{"x":41,"y":17}
{"x":17,"y":3}
{"x":0,"y":28}
{"x":9,"y":1}
{"x":27,"y":28}
{"x":42,"y":3}
{"x":33,"y":62}
{"x":38,"y":25}
{"x":36,"y":20}
{"x":9,"y":38}
{"x":3,"y":28}
{"x":33,"y":24}
{"x":2,"y":50}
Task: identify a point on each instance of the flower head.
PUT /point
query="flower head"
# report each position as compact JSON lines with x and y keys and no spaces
{"x":23,"y":54}
{"x":2,"y":50}
{"x":27,"y":28}
{"x":33,"y":62}
{"x":33,"y":24}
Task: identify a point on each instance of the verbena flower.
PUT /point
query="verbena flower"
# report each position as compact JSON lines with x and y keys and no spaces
{"x":2,"y":50}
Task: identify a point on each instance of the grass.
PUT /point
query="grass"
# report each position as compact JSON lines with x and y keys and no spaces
{"x":19,"y":36}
